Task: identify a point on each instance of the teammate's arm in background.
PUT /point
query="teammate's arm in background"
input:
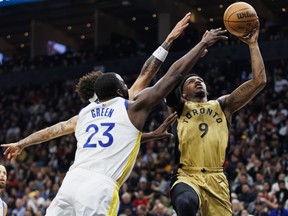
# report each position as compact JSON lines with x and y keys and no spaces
{"x":153,"y":63}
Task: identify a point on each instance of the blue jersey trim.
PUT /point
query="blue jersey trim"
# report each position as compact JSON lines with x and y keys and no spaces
{"x":126,"y":104}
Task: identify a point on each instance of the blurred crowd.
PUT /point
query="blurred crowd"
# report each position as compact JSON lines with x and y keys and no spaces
{"x":256,"y":166}
{"x":122,"y":47}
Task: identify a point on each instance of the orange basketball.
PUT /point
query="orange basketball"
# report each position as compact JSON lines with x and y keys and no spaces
{"x":240,"y":18}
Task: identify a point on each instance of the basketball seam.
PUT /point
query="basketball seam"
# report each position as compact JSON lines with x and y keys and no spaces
{"x":241,"y":21}
{"x":227,"y":21}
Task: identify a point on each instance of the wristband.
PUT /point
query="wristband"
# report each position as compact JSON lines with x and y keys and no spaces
{"x":160,"y":53}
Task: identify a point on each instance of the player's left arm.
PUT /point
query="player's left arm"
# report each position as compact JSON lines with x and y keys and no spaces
{"x":161,"y":132}
{"x":248,"y":90}
{"x":154,"y":62}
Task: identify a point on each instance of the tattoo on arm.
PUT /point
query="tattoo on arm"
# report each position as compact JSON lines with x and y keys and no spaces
{"x":153,"y":64}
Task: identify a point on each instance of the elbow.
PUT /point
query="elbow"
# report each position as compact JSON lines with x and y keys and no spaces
{"x":263,"y":83}
{"x":261,"y":80}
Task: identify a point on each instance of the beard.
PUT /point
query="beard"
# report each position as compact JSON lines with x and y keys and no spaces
{"x":200,"y":94}
{"x":2,"y":185}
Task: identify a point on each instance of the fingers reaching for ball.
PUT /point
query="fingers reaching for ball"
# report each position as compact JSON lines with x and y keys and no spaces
{"x":210,"y":37}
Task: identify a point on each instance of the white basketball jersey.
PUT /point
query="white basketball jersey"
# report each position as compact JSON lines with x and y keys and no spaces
{"x":107,"y":141}
{"x":1,"y":207}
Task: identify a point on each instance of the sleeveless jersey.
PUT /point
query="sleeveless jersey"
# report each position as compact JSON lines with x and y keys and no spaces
{"x":1,"y":207}
{"x":107,"y":141}
{"x":203,"y":135}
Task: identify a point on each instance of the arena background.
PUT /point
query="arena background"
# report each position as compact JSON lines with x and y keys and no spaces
{"x":45,"y":46}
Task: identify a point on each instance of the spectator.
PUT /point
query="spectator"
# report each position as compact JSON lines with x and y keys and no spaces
{"x":126,"y":205}
{"x":140,"y":199}
{"x":282,"y":194}
{"x":20,"y":209}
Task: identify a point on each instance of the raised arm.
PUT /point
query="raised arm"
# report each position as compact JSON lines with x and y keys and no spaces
{"x":248,"y":90}
{"x":153,"y":63}
{"x":49,"y":133}
{"x":152,"y":96}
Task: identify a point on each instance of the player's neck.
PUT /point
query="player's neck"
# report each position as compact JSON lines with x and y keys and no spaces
{"x":198,"y":99}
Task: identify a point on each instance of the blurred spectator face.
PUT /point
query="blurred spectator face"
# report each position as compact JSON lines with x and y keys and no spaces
{"x":258,"y":206}
{"x":140,"y":195}
{"x":281,"y":177}
{"x":235,"y":205}
{"x":128,"y":212}
{"x":126,"y":198}
{"x":159,"y":209}
{"x":259,"y":177}
{"x":243,"y":178}
{"x":19,"y":203}
{"x":141,"y":210}
{"x":260,"y":195}
{"x":244,"y":213}
{"x":266,"y":186}
{"x":143,"y":183}
{"x":28,"y":213}
{"x":282,"y":185}
{"x":245,"y":188}
{"x":3,"y":177}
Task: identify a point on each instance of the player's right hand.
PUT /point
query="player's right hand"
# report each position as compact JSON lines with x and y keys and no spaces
{"x":212,"y":36}
{"x":252,"y":37}
{"x":12,"y":151}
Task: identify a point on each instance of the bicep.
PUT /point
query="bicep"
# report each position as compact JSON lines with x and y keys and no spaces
{"x":240,"y":97}
{"x":140,"y":84}
{"x":63,"y":128}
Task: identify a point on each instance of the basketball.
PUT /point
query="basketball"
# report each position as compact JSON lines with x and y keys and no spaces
{"x":240,"y":18}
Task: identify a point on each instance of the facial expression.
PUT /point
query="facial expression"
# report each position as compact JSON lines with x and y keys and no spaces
{"x":3,"y":177}
{"x":195,"y":86}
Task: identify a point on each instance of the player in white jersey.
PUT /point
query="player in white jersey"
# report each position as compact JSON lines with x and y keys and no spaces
{"x":102,"y":162}
{"x":85,"y":90}
{"x":3,"y":180}
{"x":108,"y":136}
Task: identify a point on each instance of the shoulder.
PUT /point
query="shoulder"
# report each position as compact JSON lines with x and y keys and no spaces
{"x":222,"y":101}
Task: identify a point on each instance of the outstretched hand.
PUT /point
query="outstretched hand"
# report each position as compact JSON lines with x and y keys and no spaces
{"x":12,"y":151}
{"x":212,"y":36}
{"x":161,"y":132}
{"x":179,"y":27}
{"x":252,"y":37}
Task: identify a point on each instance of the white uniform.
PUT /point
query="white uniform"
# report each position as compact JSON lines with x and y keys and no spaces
{"x":107,"y":147}
{"x":1,"y":207}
